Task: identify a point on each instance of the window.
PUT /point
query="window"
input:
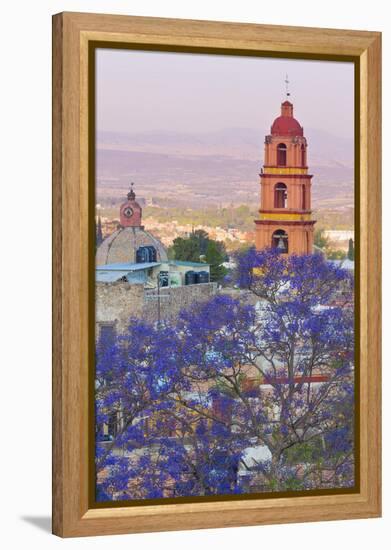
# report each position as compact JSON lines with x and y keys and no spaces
{"x":146,"y":254}
{"x":163,"y":278}
{"x":280,"y":196}
{"x":281,"y":154}
{"x":280,"y":241}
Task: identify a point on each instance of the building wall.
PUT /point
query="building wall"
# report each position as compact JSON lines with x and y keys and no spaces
{"x":172,"y":266}
{"x":117,"y":302}
{"x":293,"y":150}
{"x":295,"y":184}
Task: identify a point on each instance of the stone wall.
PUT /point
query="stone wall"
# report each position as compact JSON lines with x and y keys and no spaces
{"x":173,"y":300}
{"x":117,"y":302}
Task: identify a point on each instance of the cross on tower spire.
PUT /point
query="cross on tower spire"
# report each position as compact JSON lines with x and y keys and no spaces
{"x":287,"y":86}
{"x":131,"y":194}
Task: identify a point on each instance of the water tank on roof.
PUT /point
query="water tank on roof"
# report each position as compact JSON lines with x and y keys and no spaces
{"x":202,"y":277}
{"x":190,"y":278}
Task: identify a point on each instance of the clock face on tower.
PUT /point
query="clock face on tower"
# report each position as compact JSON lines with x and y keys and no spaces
{"x":128,"y":212}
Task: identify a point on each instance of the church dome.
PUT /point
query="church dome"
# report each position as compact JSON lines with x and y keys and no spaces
{"x":286,"y":124}
{"x":130,"y":243}
{"x":122,"y":246}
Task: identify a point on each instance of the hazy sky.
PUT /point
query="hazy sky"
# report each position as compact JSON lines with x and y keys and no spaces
{"x":149,"y":91}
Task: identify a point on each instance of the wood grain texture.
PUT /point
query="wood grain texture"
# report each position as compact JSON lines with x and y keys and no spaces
{"x":370,"y":250}
{"x":71,"y":35}
{"x":57,"y":466}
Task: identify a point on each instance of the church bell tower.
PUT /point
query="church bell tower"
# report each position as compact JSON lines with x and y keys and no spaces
{"x":285,"y":212}
{"x":130,"y":211}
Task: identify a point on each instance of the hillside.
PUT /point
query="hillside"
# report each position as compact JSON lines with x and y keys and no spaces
{"x":219,"y":168}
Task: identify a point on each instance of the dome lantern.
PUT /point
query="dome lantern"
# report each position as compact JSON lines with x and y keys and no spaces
{"x":286,"y":124}
{"x":130,"y":211}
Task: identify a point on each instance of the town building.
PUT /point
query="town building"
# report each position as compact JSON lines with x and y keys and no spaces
{"x":170,"y":273}
{"x":130,"y":243}
{"x":285,"y":212}
{"x":135,"y":278}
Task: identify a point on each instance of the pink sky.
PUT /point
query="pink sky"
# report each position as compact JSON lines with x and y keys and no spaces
{"x":150,"y":91}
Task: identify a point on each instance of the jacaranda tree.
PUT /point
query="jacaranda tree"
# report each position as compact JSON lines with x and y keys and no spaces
{"x":252,"y":391}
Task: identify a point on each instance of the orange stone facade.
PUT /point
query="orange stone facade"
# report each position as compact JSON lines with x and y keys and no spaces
{"x":285,"y":213}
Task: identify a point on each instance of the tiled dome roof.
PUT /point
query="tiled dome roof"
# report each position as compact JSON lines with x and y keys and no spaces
{"x":286,"y":126}
{"x":122,"y":245}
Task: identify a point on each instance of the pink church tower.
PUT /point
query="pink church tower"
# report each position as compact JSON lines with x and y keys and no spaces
{"x":285,"y":210}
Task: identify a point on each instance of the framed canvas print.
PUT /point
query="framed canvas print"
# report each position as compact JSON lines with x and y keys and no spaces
{"x":216,"y":229}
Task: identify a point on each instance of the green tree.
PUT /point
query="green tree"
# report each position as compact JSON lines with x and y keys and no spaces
{"x":202,"y":238}
{"x":351,"y":250}
{"x":215,"y":256}
{"x":197,"y":245}
{"x":171,"y":253}
{"x":186,"y":249}
{"x":320,"y":240}
{"x":99,"y":234}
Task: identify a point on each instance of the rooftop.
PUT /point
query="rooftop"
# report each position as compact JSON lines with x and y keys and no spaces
{"x":127,"y":266}
{"x":188,"y":264}
{"x":286,"y":126}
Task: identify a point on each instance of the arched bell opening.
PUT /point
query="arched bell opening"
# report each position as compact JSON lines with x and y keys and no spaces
{"x":281,"y":154}
{"x":280,"y":241}
{"x":280,"y":196}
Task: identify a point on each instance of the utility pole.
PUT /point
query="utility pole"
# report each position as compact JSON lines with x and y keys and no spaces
{"x":158,"y":301}
{"x":155,"y":294}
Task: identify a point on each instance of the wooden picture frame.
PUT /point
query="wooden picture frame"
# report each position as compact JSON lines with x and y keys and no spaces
{"x":72,"y":35}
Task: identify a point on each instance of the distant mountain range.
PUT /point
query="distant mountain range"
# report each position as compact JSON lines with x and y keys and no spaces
{"x":222,"y":167}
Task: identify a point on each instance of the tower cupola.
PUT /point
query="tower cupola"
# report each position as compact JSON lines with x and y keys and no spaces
{"x":286,"y":124}
{"x":130,"y":211}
